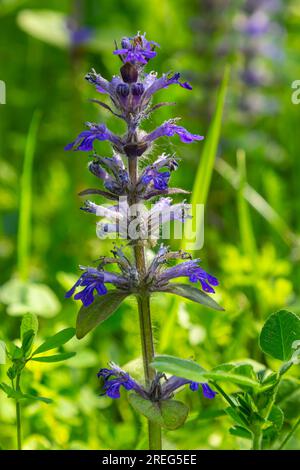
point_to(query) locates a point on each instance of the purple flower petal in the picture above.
(169, 129)
(207, 391)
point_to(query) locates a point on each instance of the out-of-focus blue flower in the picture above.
(136, 49)
(78, 34)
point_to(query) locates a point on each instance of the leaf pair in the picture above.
(105, 305)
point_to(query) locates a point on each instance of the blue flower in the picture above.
(84, 141)
(193, 271)
(78, 35)
(93, 280)
(169, 128)
(174, 383)
(136, 49)
(115, 378)
(159, 179)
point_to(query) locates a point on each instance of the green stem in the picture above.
(18, 415)
(257, 439)
(290, 434)
(154, 430)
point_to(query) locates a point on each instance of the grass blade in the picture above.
(199, 195)
(24, 227)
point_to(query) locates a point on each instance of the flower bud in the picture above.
(123, 90)
(129, 73)
(137, 89)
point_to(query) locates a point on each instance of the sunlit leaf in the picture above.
(29, 322)
(55, 341)
(279, 333)
(192, 371)
(54, 358)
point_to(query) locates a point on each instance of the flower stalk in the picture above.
(131, 94)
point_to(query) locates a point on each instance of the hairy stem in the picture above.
(154, 429)
(18, 415)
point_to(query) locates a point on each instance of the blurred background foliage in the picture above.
(251, 232)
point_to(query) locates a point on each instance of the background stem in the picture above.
(290, 434)
(18, 415)
(154, 429)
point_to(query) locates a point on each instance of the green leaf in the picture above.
(55, 341)
(55, 358)
(101, 309)
(15, 352)
(180, 367)
(37, 398)
(288, 397)
(279, 333)
(17, 395)
(237, 415)
(170, 414)
(276, 417)
(191, 293)
(27, 342)
(10, 392)
(192, 371)
(29, 322)
(240, 431)
(46, 25)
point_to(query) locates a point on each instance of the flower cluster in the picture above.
(159, 276)
(93, 280)
(115, 378)
(127, 217)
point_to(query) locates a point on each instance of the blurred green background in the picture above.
(44, 236)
